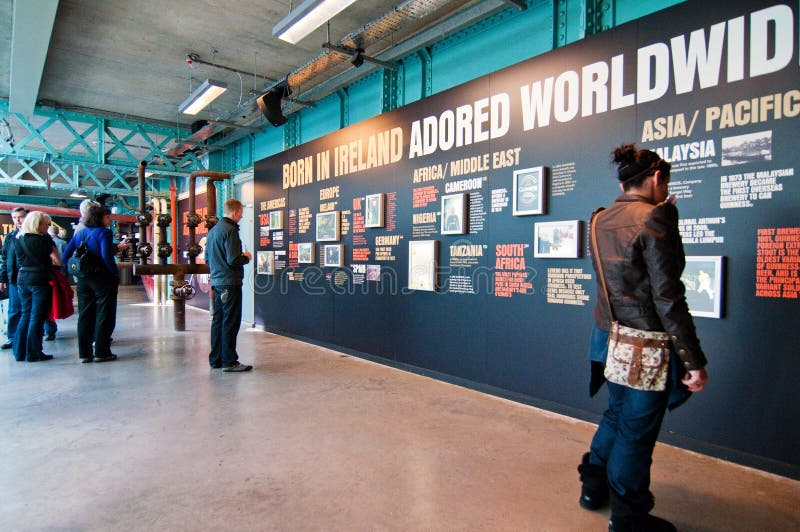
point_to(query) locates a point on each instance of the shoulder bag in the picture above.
(636, 358)
(83, 262)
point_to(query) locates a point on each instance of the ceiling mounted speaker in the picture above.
(270, 105)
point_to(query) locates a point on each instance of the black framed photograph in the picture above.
(422, 262)
(265, 263)
(529, 191)
(328, 226)
(703, 278)
(454, 214)
(275, 220)
(557, 240)
(374, 210)
(305, 253)
(333, 255)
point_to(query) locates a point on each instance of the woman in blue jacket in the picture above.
(97, 292)
(32, 257)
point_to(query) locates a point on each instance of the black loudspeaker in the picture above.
(270, 105)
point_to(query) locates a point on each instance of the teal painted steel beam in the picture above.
(390, 90)
(599, 16)
(344, 107)
(560, 20)
(426, 63)
(80, 138)
(291, 131)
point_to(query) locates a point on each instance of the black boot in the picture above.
(626, 519)
(594, 492)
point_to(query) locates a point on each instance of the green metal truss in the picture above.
(68, 150)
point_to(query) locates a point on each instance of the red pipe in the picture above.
(59, 211)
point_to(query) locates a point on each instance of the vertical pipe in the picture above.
(179, 306)
(192, 213)
(142, 210)
(173, 204)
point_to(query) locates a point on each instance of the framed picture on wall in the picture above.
(265, 263)
(454, 214)
(703, 279)
(373, 210)
(422, 263)
(275, 220)
(305, 253)
(557, 240)
(328, 226)
(333, 255)
(373, 272)
(529, 191)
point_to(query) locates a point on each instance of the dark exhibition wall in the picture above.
(450, 237)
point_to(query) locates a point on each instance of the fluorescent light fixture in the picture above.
(80, 193)
(203, 95)
(308, 16)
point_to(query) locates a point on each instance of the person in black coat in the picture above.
(97, 292)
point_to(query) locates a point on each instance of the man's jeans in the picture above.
(225, 325)
(14, 312)
(624, 442)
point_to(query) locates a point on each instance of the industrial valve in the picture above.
(193, 219)
(182, 290)
(144, 219)
(164, 250)
(145, 249)
(164, 220)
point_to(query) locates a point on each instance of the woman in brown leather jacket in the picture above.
(642, 258)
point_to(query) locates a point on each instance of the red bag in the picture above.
(62, 297)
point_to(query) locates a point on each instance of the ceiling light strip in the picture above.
(206, 93)
(309, 15)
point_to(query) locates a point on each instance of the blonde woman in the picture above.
(32, 257)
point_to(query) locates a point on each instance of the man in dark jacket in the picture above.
(639, 248)
(226, 261)
(8, 277)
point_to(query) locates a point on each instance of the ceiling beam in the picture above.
(32, 27)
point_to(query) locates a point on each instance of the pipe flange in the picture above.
(164, 250)
(193, 219)
(164, 220)
(211, 221)
(185, 291)
(144, 219)
(194, 250)
(145, 249)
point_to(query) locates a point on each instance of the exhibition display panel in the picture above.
(451, 233)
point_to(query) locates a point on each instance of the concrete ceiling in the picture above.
(128, 57)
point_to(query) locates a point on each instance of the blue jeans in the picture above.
(225, 325)
(14, 312)
(624, 443)
(50, 327)
(35, 303)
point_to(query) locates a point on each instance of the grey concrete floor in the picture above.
(310, 440)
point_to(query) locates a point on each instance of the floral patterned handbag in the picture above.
(637, 359)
